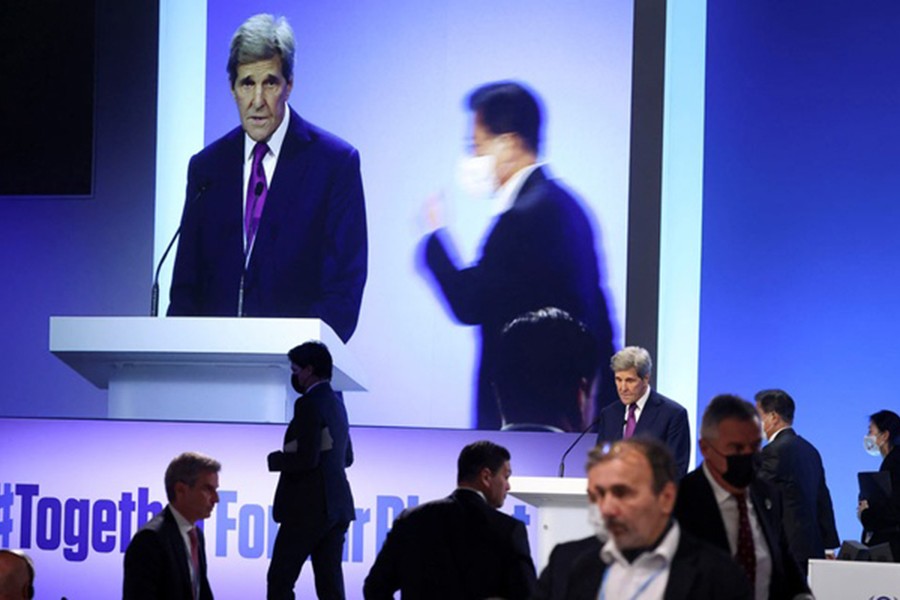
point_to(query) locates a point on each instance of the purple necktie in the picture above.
(631, 423)
(256, 193)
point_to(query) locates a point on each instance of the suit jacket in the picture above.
(313, 489)
(309, 257)
(539, 253)
(554, 579)
(882, 519)
(156, 563)
(456, 548)
(698, 572)
(794, 466)
(698, 514)
(662, 418)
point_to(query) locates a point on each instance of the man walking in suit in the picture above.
(313, 503)
(541, 251)
(642, 410)
(722, 502)
(794, 466)
(460, 547)
(274, 223)
(648, 554)
(166, 559)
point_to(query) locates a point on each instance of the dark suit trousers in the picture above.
(293, 545)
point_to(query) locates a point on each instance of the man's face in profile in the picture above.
(631, 386)
(196, 502)
(497, 485)
(261, 93)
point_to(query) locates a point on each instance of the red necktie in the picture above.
(746, 552)
(631, 423)
(257, 189)
(195, 562)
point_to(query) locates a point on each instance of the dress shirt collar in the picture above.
(662, 554)
(722, 495)
(274, 142)
(183, 524)
(775, 435)
(509, 191)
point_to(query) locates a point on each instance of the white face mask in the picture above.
(596, 521)
(477, 175)
(870, 443)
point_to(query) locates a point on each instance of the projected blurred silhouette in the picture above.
(539, 253)
(546, 363)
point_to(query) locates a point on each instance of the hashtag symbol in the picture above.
(6, 520)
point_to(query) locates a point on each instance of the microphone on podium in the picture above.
(154, 290)
(562, 461)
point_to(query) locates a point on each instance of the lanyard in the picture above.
(638, 592)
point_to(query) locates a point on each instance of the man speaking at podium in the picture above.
(274, 222)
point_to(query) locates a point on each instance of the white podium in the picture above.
(195, 368)
(562, 510)
(850, 580)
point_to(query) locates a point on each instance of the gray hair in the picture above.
(262, 37)
(186, 468)
(632, 357)
(725, 406)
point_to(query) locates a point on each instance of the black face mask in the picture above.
(741, 469)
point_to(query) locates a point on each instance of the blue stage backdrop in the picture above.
(801, 214)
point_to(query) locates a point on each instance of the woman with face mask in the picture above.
(881, 517)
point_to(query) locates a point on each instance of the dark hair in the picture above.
(662, 464)
(508, 107)
(887, 420)
(725, 406)
(186, 468)
(478, 455)
(777, 401)
(313, 354)
(29, 568)
(542, 358)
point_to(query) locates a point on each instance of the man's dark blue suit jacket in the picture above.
(663, 419)
(310, 254)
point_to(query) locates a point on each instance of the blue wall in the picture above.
(85, 256)
(801, 214)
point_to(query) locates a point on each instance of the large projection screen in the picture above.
(391, 78)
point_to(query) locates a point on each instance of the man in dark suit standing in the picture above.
(723, 503)
(794, 466)
(541, 251)
(274, 223)
(460, 547)
(313, 503)
(642, 410)
(648, 554)
(166, 559)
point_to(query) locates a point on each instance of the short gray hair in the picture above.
(187, 468)
(725, 406)
(262, 37)
(632, 357)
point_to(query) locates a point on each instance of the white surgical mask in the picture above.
(477, 175)
(596, 521)
(870, 442)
